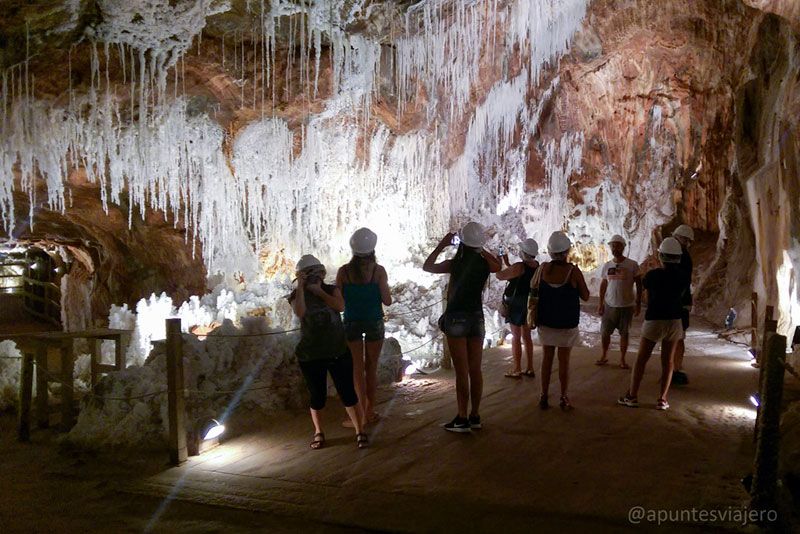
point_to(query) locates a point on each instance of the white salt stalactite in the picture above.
(170, 162)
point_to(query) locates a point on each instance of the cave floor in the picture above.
(526, 469)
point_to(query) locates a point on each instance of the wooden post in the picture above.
(765, 477)
(25, 394)
(768, 322)
(42, 408)
(120, 348)
(67, 385)
(176, 408)
(95, 351)
(770, 327)
(754, 321)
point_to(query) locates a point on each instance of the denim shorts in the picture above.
(462, 324)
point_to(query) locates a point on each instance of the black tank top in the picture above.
(518, 288)
(559, 305)
(468, 276)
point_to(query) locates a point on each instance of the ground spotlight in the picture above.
(754, 400)
(215, 429)
(205, 436)
(411, 369)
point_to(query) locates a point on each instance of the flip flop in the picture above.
(624, 366)
(601, 362)
(513, 374)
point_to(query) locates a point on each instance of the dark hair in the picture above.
(358, 267)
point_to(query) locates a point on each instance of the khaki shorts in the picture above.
(616, 319)
(662, 330)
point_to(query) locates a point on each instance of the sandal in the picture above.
(543, 404)
(564, 403)
(529, 373)
(601, 361)
(362, 440)
(319, 441)
(513, 374)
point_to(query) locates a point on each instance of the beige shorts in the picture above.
(662, 330)
(558, 337)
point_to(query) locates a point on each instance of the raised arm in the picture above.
(509, 273)
(430, 265)
(299, 301)
(494, 263)
(583, 289)
(334, 300)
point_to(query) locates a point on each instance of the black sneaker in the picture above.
(458, 424)
(543, 404)
(475, 422)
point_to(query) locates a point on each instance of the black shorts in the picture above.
(462, 324)
(372, 330)
(315, 373)
(685, 319)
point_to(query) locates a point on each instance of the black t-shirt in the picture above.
(665, 292)
(468, 276)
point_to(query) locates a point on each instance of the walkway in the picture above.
(527, 468)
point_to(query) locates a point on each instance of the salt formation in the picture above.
(159, 31)
(189, 176)
(10, 359)
(297, 191)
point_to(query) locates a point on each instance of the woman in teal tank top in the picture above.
(365, 287)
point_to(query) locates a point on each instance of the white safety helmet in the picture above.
(473, 235)
(670, 250)
(363, 241)
(530, 247)
(307, 261)
(558, 242)
(616, 238)
(684, 230)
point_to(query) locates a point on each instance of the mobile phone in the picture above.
(456, 240)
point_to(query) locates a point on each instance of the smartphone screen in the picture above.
(456, 240)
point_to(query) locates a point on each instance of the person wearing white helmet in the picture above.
(662, 321)
(618, 301)
(515, 304)
(322, 349)
(558, 287)
(365, 287)
(684, 234)
(462, 321)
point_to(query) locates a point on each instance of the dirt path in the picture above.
(527, 468)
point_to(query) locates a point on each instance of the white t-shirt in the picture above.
(620, 276)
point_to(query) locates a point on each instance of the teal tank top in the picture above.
(362, 302)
